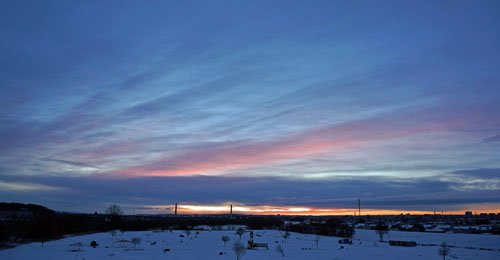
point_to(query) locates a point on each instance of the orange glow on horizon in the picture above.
(297, 210)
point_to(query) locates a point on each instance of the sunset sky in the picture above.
(277, 107)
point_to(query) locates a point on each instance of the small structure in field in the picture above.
(253, 245)
(345, 241)
(122, 242)
(402, 243)
(76, 247)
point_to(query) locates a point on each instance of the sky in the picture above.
(276, 107)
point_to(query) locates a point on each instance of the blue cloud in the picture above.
(376, 192)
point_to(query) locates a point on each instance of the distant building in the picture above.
(468, 213)
(402, 243)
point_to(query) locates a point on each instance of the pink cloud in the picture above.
(229, 158)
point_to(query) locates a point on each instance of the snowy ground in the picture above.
(208, 245)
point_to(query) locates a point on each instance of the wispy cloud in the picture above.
(25, 187)
(495, 138)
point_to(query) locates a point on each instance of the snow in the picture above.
(208, 245)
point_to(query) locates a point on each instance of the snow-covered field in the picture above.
(208, 245)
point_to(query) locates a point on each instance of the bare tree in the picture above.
(239, 249)
(225, 239)
(114, 210)
(444, 250)
(381, 230)
(240, 231)
(280, 250)
(286, 235)
(381, 233)
(136, 241)
(316, 241)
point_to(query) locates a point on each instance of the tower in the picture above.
(359, 208)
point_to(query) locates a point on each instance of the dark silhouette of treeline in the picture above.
(329, 227)
(21, 223)
(27, 222)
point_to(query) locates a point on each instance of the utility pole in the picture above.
(231, 211)
(175, 210)
(359, 208)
